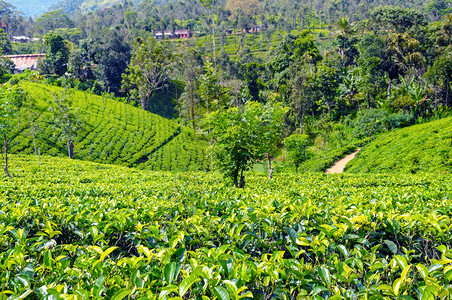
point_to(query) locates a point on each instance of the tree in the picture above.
(19, 99)
(57, 55)
(250, 74)
(149, 70)
(5, 43)
(7, 116)
(296, 148)
(65, 119)
(6, 65)
(272, 127)
(53, 20)
(440, 75)
(77, 65)
(238, 135)
(400, 19)
(189, 70)
(111, 53)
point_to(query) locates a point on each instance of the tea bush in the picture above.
(77, 230)
(113, 132)
(419, 148)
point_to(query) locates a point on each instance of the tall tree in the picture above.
(150, 69)
(65, 119)
(7, 120)
(57, 55)
(52, 20)
(109, 50)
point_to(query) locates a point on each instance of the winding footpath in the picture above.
(339, 166)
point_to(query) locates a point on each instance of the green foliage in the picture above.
(296, 148)
(57, 55)
(400, 19)
(65, 120)
(420, 148)
(242, 135)
(110, 132)
(52, 20)
(85, 230)
(373, 121)
(149, 69)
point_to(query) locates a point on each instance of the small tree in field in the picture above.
(296, 148)
(239, 138)
(272, 131)
(65, 119)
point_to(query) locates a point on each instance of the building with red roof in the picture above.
(23, 62)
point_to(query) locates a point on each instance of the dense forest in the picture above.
(342, 70)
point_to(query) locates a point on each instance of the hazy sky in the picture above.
(32, 8)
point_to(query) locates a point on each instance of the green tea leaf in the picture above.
(170, 272)
(325, 275)
(391, 246)
(107, 252)
(121, 294)
(185, 285)
(221, 293)
(292, 234)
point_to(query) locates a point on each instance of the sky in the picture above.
(32, 8)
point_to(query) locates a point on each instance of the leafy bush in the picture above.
(372, 121)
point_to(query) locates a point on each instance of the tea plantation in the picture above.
(420, 148)
(114, 133)
(79, 230)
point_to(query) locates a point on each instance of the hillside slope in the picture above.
(113, 132)
(420, 148)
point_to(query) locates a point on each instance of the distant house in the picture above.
(23, 39)
(23, 62)
(3, 26)
(183, 33)
(168, 34)
(20, 39)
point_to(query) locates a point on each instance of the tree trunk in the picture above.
(18, 120)
(5, 152)
(447, 93)
(34, 143)
(301, 119)
(235, 176)
(270, 169)
(389, 88)
(242, 180)
(70, 148)
(144, 103)
(192, 102)
(214, 48)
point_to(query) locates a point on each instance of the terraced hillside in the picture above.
(420, 148)
(115, 133)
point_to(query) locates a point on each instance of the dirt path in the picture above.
(339, 166)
